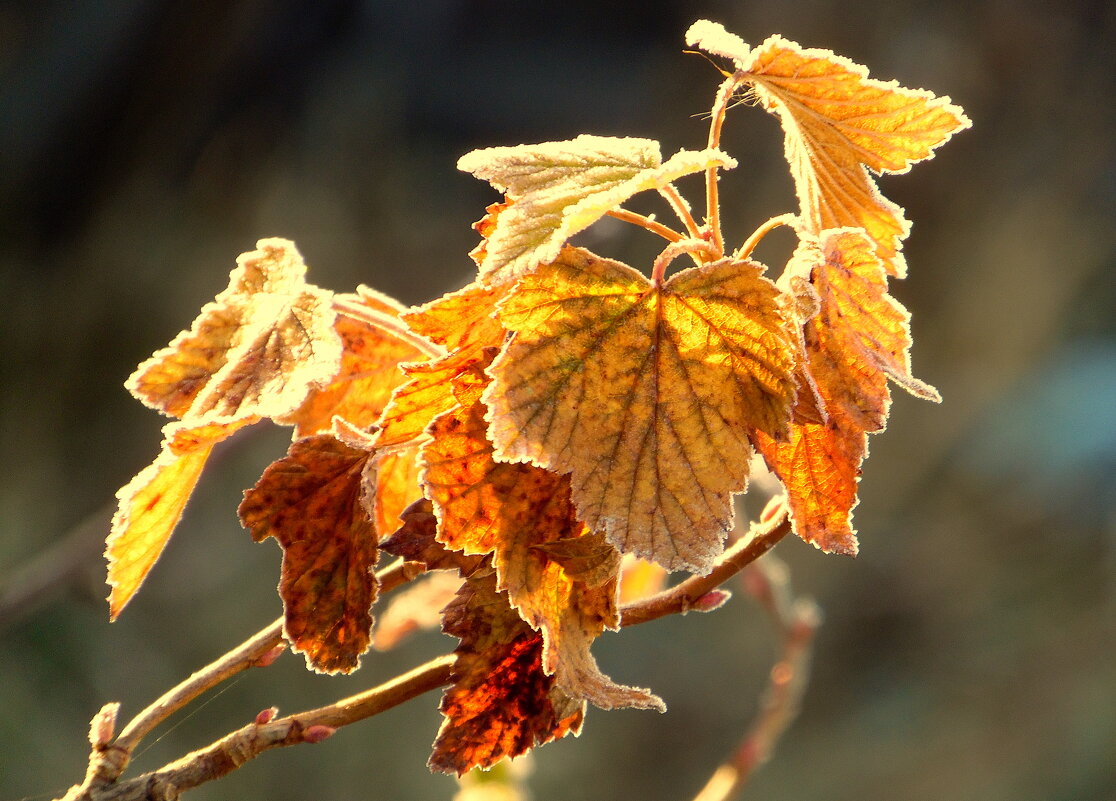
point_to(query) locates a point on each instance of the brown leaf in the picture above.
(645, 395)
(151, 504)
(416, 541)
(313, 502)
(257, 349)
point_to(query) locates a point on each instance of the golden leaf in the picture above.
(257, 349)
(151, 504)
(645, 395)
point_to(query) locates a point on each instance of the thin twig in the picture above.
(642, 221)
(252, 652)
(682, 597)
(797, 620)
(233, 750)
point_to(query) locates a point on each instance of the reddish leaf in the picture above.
(313, 501)
(502, 703)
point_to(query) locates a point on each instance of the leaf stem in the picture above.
(642, 221)
(680, 598)
(387, 323)
(745, 250)
(682, 208)
(676, 249)
(712, 198)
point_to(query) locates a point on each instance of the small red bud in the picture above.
(270, 656)
(315, 734)
(714, 599)
(266, 715)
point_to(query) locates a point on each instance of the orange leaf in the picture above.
(415, 541)
(860, 336)
(314, 503)
(646, 395)
(465, 323)
(819, 464)
(257, 349)
(501, 703)
(840, 124)
(369, 371)
(151, 504)
(510, 510)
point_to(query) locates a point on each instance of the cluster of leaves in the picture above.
(564, 410)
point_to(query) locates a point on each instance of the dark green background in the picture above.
(967, 653)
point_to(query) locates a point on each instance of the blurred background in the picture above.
(967, 653)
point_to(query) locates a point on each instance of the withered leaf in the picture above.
(645, 395)
(151, 504)
(501, 703)
(257, 349)
(314, 503)
(560, 188)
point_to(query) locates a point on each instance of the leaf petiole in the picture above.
(745, 250)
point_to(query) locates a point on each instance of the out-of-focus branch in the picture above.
(761, 538)
(796, 621)
(51, 571)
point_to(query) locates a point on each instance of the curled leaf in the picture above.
(645, 395)
(560, 188)
(257, 349)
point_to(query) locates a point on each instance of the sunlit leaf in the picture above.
(151, 504)
(560, 188)
(645, 395)
(819, 464)
(257, 349)
(465, 323)
(368, 374)
(839, 125)
(314, 503)
(501, 703)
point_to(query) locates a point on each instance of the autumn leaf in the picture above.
(465, 323)
(513, 511)
(646, 395)
(315, 503)
(368, 374)
(416, 608)
(839, 125)
(501, 703)
(819, 465)
(257, 349)
(560, 188)
(861, 335)
(151, 504)
(858, 338)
